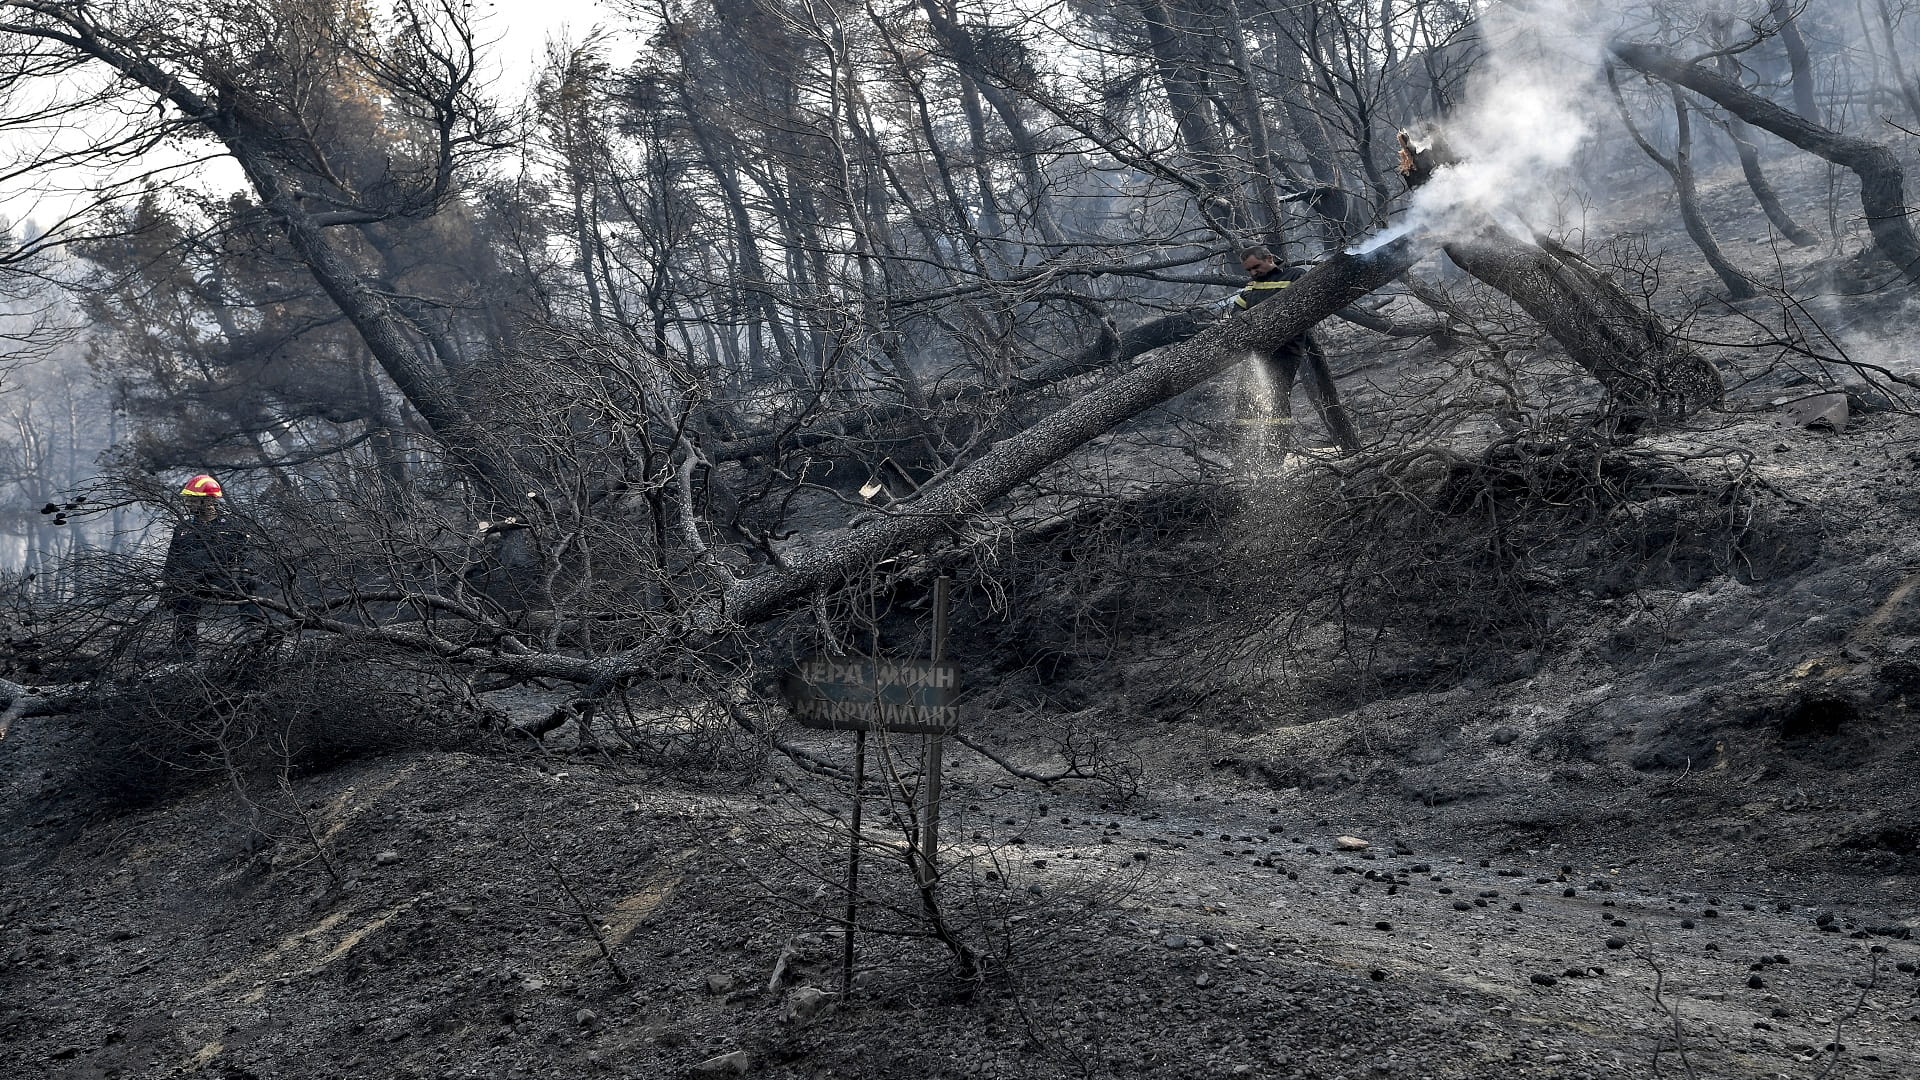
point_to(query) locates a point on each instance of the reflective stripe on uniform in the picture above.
(1241, 300)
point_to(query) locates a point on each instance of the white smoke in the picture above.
(1532, 101)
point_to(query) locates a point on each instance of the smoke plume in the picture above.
(1530, 105)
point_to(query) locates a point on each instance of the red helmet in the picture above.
(204, 486)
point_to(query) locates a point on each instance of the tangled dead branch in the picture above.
(1455, 552)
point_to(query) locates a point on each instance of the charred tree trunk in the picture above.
(1786, 17)
(1648, 374)
(753, 288)
(1129, 344)
(1882, 179)
(1763, 192)
(419, 378)
(937, 508)
(1680, 168)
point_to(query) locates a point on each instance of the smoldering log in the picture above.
(1421, 157)
(1649, 374)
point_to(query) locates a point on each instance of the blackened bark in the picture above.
(418, 378)
(1786, 17)
(1130, 344)
(1882, 179)
(1680, 168)
(1646, 371)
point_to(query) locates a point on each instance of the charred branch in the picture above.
(1129, 344)
(1882, 179)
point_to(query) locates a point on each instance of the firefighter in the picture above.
(1266, 277)
(206, 559)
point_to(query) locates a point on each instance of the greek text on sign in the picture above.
(856, 694)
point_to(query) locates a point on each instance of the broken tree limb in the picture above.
(1882, 179)
(946, 504)
(24, 701)
(1648, 373)
(937, 508)
(1128, 345)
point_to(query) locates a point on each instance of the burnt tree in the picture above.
(1882, 178)
(1647, 372)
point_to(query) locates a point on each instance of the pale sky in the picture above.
(523, 27)
(518, 31)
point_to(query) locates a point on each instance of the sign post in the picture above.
(936, 748)
(853, 863)
(850, 693)
(857, 694)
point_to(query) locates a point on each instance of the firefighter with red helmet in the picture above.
(206, 560)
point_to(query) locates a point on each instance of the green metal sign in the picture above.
(850, 693)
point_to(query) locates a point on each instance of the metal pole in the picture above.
(936, 748)
(853, 862)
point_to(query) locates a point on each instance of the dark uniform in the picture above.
(1283, 365)
(205, 559)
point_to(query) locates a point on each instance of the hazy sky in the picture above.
(518, 31)
(522, 28)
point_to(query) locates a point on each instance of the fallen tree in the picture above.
(1623, 346)
(1326, 289)
(1647, 373)
(1118, 348)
